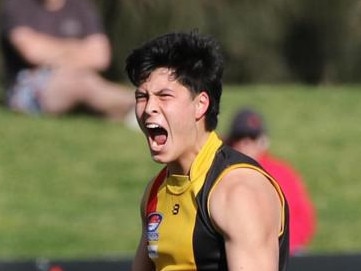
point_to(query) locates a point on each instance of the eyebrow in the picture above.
(156, 91)
(139, 90)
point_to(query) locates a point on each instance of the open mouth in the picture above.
(157, 133)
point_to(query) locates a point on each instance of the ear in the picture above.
(202, 104)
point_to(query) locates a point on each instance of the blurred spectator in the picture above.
(248, 134)
(54, 51)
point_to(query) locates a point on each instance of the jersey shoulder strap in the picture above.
(225, 157)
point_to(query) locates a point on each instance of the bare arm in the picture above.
(247, 210)
(37, 48)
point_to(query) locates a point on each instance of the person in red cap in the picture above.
(248, 134)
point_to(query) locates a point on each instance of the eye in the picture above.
(139, 96)
(165, 94)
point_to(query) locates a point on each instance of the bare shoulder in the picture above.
(245, 197)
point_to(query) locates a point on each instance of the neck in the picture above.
(183, 164)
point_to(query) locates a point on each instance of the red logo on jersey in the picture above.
(154, 220)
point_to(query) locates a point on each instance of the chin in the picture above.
(160, 159)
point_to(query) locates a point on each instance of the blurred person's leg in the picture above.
(23, 95)
(67, 89)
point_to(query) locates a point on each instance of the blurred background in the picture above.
(70, 187)
(272, 41)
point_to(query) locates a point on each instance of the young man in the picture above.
(248, 134)
(53, 52)
(210, 208)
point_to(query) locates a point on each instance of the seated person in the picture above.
(54, 51)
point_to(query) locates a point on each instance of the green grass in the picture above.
(70, 187)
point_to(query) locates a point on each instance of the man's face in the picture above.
(167, 114)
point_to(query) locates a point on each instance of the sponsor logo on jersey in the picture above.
(153, 251)
(154, 220)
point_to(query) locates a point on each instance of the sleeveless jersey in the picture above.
(180, 233)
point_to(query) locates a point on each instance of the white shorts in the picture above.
(24, 94)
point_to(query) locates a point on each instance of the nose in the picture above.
(151, 106)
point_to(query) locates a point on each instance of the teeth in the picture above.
(152, 125)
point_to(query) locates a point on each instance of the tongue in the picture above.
(160, 139)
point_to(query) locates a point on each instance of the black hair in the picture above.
(196, 62)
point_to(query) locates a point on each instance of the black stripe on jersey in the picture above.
(208, 244)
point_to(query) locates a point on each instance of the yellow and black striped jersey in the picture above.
(180, 233)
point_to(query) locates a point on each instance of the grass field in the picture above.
(70, 187)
